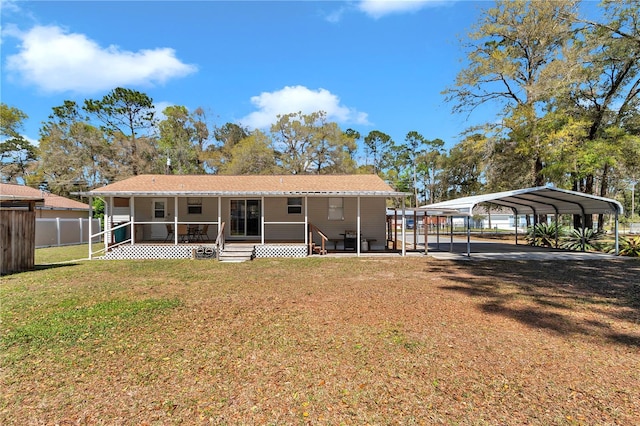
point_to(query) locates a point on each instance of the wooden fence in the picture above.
(17, 240)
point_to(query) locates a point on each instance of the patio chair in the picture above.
(183, 233)
(169, 232)
(202, 233)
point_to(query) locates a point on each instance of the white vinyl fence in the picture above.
(64, 232)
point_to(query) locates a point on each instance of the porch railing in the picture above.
(323, 239)
(220, 240)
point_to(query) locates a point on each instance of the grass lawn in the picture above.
(322, 341)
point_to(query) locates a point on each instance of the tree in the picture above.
(429, 162)
(226, 136)
(179, 141)
(603, 95)
(128, 113)
(17, 154)
(74, 155)
(377, 143)
(414, 141)
(308, 143)
(252, 155)
(463, 168)
(512, 63)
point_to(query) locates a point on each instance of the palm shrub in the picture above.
(573, 240)
(627, 247)
(544, 234)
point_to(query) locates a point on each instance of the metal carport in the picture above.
(543, 200)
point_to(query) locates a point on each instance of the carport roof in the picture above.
(538, 200)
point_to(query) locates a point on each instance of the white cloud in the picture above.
(292, 99)
(57, 61)
(379, 8)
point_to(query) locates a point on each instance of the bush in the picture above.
(544, 234)
(574, 240)
(627, 247)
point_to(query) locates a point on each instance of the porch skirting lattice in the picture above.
(150, 251)
(277, 250)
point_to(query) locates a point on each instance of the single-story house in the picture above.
(59, 220)
(174, 216)
(54, 206)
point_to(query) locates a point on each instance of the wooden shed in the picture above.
(17, 233)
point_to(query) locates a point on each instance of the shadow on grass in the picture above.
(45, 266)
(566, 297)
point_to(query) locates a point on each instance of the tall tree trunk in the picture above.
(604, 188)
(577, 219)
(588, 189)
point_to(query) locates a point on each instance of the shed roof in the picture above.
(538, 200)
(10, 191)
(248, 185)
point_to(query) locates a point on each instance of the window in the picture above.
(336, 208)
(194, 205)
(294, 205)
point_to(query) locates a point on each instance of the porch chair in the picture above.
(202, 233)
(183, 232)
(169, 232)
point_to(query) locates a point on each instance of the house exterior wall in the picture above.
(372, 212)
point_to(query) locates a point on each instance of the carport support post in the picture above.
(438, 232)
(468, 236)
(425, 219)
(515, 214)
(617, 234)
(451, 233)
(556, 219)
(404, 213)
(584, 228)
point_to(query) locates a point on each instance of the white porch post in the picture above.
(108, 221)
(175, 220)
(404, 246)
(219, 214)
(133, 220)
(306, 221)
(358, 227)
(90, 226)
(262, 220)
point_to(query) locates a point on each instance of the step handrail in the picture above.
(220, 240)
(323, 238)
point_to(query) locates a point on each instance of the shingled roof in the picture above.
(248, 185)
(51, 201)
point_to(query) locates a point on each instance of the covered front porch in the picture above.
(202, 226)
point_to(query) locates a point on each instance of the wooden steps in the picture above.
(237, 252)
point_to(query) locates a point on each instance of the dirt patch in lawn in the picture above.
(323, 341)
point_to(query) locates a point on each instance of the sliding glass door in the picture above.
(245, 218)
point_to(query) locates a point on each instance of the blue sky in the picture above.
(370, 65)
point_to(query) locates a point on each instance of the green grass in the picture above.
(70, 323)
(50, 255)
(321, 341)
